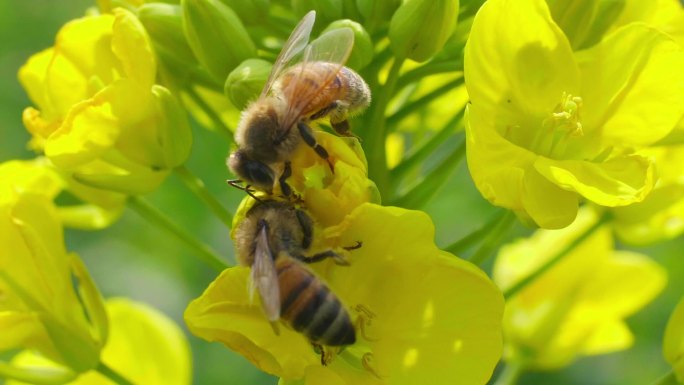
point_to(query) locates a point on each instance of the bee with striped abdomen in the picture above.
(273, 239)
(318, 86)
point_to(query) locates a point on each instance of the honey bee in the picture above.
(295, 95)
(272, 240)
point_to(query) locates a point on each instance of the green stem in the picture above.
(668, 379)
(213, 115)
(510, 374)
(425, 150)
(493, 239)
(153, 215)
(426, 99)
(513, 290)
(476, 236)
(428, 69)
(377, 159)
(196, 185)
(427, 187)
(112, 375)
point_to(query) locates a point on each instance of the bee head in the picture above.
(253, 172)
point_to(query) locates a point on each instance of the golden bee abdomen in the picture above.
(346, 86)
(310, 307)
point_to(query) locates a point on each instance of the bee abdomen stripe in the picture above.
(340, 331)
(304, 310)
(324, 318)
(294, 292)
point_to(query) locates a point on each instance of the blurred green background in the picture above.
(135, 260)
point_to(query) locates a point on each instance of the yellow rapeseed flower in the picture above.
(144, 346)
(578, 306)
(39, 176)
(673, 344)
(100, 116)
(661, 215)
(548, 127)
(48, 301)
(435, 318)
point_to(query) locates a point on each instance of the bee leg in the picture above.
(326, 355)
(324, 111)
(354, 247)
(339, 259)
(307, 135)
(287, 172)
(364, 319)
(306, 224)
(237, 183)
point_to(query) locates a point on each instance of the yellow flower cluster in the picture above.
(549, 126)
(575, 123)
(102, 121)
(52, 312)
(428, 330)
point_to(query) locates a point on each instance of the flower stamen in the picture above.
(564, 122)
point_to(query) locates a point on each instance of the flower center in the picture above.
(562, 124)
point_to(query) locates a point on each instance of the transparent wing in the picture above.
(306, 81)
(297, 41)
(264, 276)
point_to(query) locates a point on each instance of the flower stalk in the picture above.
(196, 185)
(156, 217)
(377, 129)
(112, 374)
(494, 239)
(517, 287)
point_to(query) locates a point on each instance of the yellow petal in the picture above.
(673, 344)
(32, 76)
(505, 175)
(608, 338)
(144, 345)
(224, 313)
(616, 182)
(420, 332)
(89, 129)
(82, 56)
(518, 58)
(631, 88)
(132, 47)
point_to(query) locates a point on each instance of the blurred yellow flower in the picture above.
(143, 345)
(48, 301)
(436, 317)
(40, 177)
(661, 215)
(673, 344)
(578, 306)
(100, 117)
(548, 127)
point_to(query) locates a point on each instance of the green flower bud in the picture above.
(163, 23)
(216, 36)
(174, 134)
(377, 12)
(326, 10)
(250, 11)
(246, 81)
(420, 28)
(362, 53)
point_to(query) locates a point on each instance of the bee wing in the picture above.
(332, 47)
(297, 41)
(264, 276)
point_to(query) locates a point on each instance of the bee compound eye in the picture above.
(259, 174)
